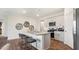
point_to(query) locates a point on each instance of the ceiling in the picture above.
(29, 12)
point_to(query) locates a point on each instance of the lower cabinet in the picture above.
(59, 35)
(38, 44)
(42, 42)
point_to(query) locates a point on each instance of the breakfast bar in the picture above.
(42, 39)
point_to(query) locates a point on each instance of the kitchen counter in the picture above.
(52, 30)
(39, 33)
(42, 39)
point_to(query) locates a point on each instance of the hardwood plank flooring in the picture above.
(55, 45)
(17, 44)
(58, 45)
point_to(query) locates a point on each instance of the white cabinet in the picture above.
(42, 40)
(38, 44)
(56, 35)
(59, 35)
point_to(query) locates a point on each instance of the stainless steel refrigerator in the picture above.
(76, 29)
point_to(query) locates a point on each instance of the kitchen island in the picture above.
(42, 39)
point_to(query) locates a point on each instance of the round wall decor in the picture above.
(26, 24)
(0, 24)
(31, 27)
(19, 26)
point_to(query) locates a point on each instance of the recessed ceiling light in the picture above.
(24, 11)
(37, 14)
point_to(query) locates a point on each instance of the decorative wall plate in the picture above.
(19, 26)
(0, 24)
(31, 27)
(0, 31)
(26, 24)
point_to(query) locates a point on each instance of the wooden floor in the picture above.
(17, 44)
(58, 45)
(55, 45)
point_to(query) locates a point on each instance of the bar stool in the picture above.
(27, 40)
(30, 41)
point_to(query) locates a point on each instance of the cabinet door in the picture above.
(38, 44)
(34, 44)
(59, 36)
(56, 34)
(46, 41)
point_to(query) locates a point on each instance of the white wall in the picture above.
(65, 19)
(68, 24)
(58, 18)
(11, 21)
